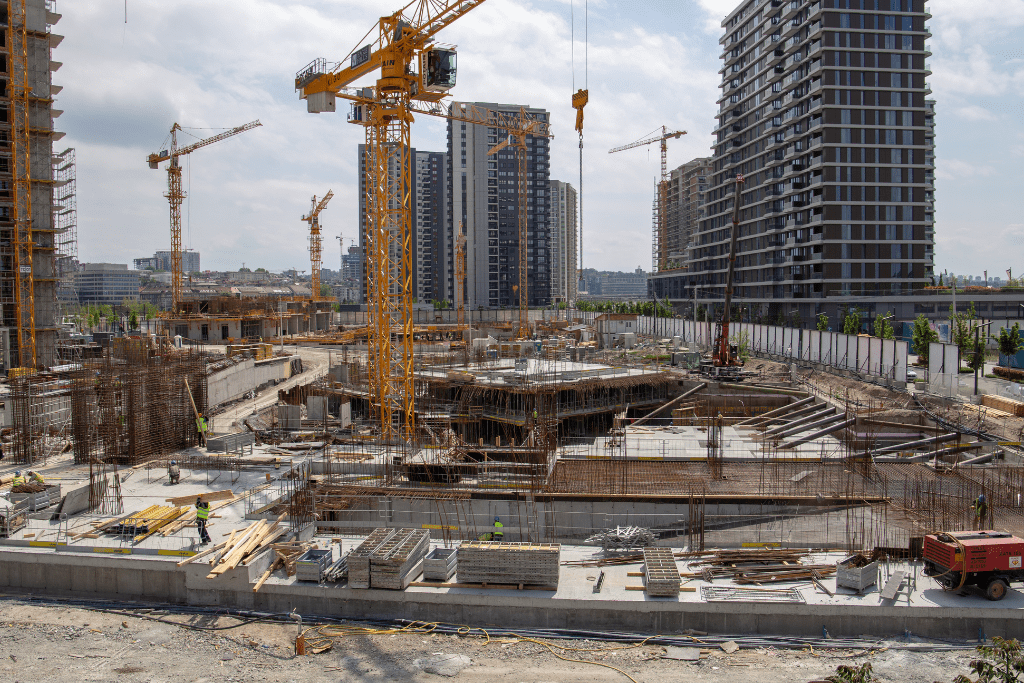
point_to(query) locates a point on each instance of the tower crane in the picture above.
(315, 241)
(660, 245)
(416, 74)
(460, 277)
(175, 195)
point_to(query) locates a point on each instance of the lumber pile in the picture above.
(285, 555)
(142, 524)
(1007, 405)
(241, 546)
(757, 566)
(508, 563)
(661, 575)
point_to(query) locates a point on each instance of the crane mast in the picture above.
(723, 355)
(316, 242)
(460, 277)
(660, 238)
(176, 195)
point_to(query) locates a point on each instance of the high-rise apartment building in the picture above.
(484, 200)
(687, 186)
(432, 259)
(562, 239)
(189, 260)
(824, 113)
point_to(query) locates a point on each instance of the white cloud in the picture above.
(955, 169)
(975, 113)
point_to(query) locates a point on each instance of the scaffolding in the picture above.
(65, 218)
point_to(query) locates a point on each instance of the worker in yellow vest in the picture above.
(18, 479)
(202, 514)
(498, 534)
(36, 478)
(201, 428)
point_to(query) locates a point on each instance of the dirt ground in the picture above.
(60, 644)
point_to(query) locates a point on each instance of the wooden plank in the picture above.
(682, 589)
(266, 575)
(201, 555)
(495, 586)
(208, 497)
(892, 586)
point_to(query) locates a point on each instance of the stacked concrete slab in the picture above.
(508, 563)
(661, 575)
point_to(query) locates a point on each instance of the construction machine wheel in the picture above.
(996, 589)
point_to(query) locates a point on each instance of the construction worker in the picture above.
(498, 534)
(201, 428)
(202, 514)
(35, 478)
(173, 472)
(18, 479)
(980, 512)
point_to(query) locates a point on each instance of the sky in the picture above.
(130, 70)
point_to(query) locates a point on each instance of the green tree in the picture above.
(743, 345)
(851, 323)
(133, 320)
(1009, 340)
(883, 329)
(1000, 662)
(972, 348)
(822, 322)
(325, 290)
(923, 335)
(852, 674)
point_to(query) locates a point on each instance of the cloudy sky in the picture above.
(129, 75)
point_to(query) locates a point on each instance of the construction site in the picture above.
(549, 472)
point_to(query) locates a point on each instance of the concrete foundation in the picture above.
(571, 607)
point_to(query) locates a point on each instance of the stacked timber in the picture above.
(1007, 405)
(509, 563)
(142, 524)
(388, 558)
(240, 547)
(661, 575)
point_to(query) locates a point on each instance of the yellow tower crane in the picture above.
(460, 277)
(415, 75)
(175, 194)
(315, 241)
(660, 240)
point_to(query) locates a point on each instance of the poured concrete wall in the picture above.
(233, 382)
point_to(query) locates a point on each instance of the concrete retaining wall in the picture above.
(158, 580)
(233, 382)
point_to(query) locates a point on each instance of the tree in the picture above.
(325, 290)
(1009, 340)
(743, 345)
(852, 674)
(972, 348)
(851, 323)
(923, 335)
(883, 329)
(133, 320)
(1001, 662)
(822, 322)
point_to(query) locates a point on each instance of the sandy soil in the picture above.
(60, 644)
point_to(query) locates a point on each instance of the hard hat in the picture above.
(17, 473)
(981, 498)
(497, 519)
(174, 462)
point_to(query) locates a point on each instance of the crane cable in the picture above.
(580, 99)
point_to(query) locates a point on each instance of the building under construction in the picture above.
(28, 225)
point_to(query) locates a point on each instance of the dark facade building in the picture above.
(431, 241)
(484, 200)
(687, 186)
(824, 112)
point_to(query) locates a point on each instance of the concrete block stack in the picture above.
(661, 575)
(359, 559)
(508, 563)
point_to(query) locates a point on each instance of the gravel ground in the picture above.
(60, 644)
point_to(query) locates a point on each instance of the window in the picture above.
(847, 212)
(845, 136)
(897, 81)
(897, 156)
(906, 23)
(897, 251)
(844, 20)
(847, 231)
(908, 137)
(896, 62)
(847, 271)
(908, 118)
(890, 137)
(845, 114)
(897, 270)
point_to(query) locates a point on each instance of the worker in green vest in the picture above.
(980, 512)
(202, 514)
(498, 534)
(201, 428)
